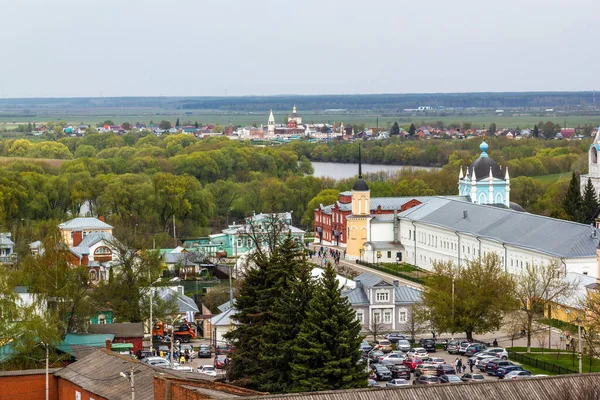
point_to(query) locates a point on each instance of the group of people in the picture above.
(461, 367)
(180, 356)
(324, 253)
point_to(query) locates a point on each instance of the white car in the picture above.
(518, 375)
(157, 362)
(397, 382)
(208, 370)
(186, 368)
(393, 358)
(418, 352)
(437, 361)
(496, 352)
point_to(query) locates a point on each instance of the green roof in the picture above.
(121, 346)
(73, 341)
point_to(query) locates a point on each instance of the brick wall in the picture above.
(30, 387)
(181, 389)
(66, 391)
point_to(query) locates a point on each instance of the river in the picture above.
(343, 171)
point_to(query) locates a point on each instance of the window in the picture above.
(77, 395)
(389, 254)
(382, 296)
(102, 319)
(239, 242)
(360, 317)
(402, 316)
(376, 316)
(102, 250)
(409, 232)
(387, 317)
(93, 275)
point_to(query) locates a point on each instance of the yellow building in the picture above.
(358, 222)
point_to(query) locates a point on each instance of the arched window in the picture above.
(499, 198)
(93, 275)
(102, 251)
(594, 155)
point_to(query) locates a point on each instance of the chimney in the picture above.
(77, 237)
(101, 218)
(180, 290)
(359, 284)
(465, 215)
(396, 283)
(108, 345)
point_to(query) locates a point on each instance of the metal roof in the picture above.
(223, 319)
(99, 373)
(402, 294)
(79, 346)
(84, 223)
(120, 330)
(551, 236)
(94, 237)
(377, 245)
(184, 303)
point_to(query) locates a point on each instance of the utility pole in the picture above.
(453, 298)
(579, 350)
(131, 381)
(174, 233)
(151, 324)
(47, 371)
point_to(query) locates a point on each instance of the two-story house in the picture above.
(379, 302)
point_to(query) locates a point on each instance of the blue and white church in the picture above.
(484, 182)
(593, 165)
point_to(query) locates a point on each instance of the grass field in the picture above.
(369, 119)
(552, 177)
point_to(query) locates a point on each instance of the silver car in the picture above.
(403, 345)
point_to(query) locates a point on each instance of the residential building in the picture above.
(74, 230)
(7, 247)
(379, 302)
(124, 332)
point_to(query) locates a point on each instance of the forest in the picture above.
(146, 186)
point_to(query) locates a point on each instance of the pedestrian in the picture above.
(456, 364)
(471, 362)
(495, 344)
(187, 355)
(464, 367)
(182, 359)
(459, 366)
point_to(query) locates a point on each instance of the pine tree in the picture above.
(572, 201)
(395, 129)
(589, 202)
(326, 350)
(412, 130)
(177, 122)
(536, 131)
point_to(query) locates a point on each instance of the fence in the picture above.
(534, 362)
(390, 271)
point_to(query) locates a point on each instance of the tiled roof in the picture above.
(551, 236)
(84, 223)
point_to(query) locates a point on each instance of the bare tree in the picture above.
(513, 324)
(538, 286)
(375, 328)
(416, 321)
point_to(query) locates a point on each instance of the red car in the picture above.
(412, 363)
(221, 361)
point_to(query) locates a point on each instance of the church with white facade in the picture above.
(593, 166)
(478, 221)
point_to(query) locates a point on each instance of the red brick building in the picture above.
(125, 332)
(28, 384)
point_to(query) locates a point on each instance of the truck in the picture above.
(184, 332)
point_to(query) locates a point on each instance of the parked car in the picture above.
(450, 379)
(144, 354)
(472, 378)
(418, 352)
(397, 382)
(179, 367)
(375, 356)
(383, 373)
(452, 346)
(400, 372)
(394, 337)
(372, 382)
(428, 344)
(393, 358)
(159, 362)
(223, 349)
(445, 369)
(383, 345)
(501, 372)
(463, 347)
(220, 361)
(204, 351)
(403, 345)
(497, 352)
(480, 356)
(425, 369)
(492, 366)
(482, 364)
(365, 347)
(411, 363)
(208, 370)
(426, 380)
(474, 348)
(437, 361)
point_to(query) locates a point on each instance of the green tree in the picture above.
(524, 191)
(164, 125)
(536, 131)
(492, 128)
(326, 351)
(470, 299)
(395, 129)
(589, 205)
(177, 122)
(126, 126)
(572, 200)
(412, 130)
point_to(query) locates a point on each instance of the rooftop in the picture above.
(84, 223)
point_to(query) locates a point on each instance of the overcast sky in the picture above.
(58, 48)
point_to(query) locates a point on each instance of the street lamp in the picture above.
(579, 345)
(379, 258)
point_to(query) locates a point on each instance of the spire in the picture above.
(359, 163)
(473, 177)
(271, 118)
(491, 176)
(460, 174)
(294, 109)
(506, 177)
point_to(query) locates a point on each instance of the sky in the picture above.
(90, 48)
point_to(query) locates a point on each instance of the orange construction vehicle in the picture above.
(184, 333)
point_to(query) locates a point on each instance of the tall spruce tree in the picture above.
(590, 202)
(536, 131)
(326, 350)
(412, 130)
(291, 292)
(572, 201)
(395, 129)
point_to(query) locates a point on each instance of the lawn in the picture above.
(552, 177)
